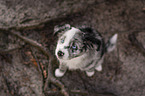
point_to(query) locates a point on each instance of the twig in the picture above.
(59, 84)
(39, 66)
(79, 92)
(34, 44)
(7, 84)
(52, 79)
(84, 93)
(9, 50)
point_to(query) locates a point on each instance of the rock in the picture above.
(31, 12)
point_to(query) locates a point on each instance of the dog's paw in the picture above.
(99, 68)
(58, 73)
(89, 74)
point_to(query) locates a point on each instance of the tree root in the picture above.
(39, 66)
(84, 93)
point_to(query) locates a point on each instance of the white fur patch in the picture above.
(74, 63)
(99, 65)
(58, 73)
(99, 68)
(61, 46)
(89, 74)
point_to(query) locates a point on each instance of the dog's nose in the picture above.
(60, 53)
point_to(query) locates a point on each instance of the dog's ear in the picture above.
(60, 29)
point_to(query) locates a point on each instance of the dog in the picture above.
(81, 48)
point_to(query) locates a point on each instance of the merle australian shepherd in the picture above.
(81, 48)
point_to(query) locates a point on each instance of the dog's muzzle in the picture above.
(60, 53)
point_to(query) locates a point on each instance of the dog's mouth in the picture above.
(61, 58)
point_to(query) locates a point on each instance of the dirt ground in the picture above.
(123, 69)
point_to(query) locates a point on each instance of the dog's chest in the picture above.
(75, 63)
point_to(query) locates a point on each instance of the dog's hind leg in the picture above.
(98, 66)
(90, 73)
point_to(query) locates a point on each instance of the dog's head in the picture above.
(74, 42)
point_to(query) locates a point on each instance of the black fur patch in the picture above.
(90, 38)
(60, 29)
(89, 64)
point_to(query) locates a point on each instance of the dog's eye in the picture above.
(62, 41)
(74, 47)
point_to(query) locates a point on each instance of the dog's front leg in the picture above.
(90, 72)
(61, 70)
(98, 66)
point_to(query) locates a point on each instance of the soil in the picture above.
(123, 69)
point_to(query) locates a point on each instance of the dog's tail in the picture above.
(111, 44)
